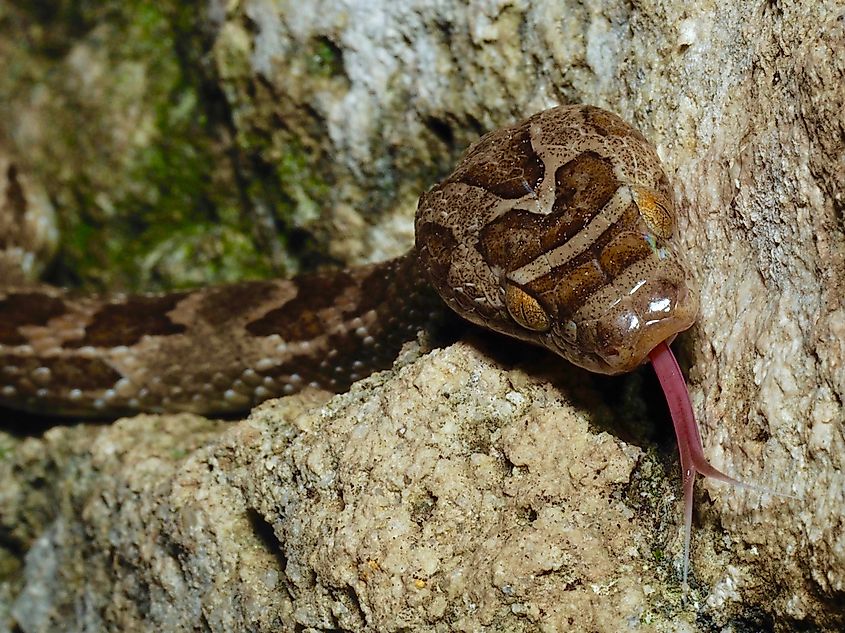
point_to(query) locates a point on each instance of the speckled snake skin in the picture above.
(553, 231)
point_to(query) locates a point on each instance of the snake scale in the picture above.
(555, 230)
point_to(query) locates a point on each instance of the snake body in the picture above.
(554, 230)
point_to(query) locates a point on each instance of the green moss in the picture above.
(298, 177)
(140, 153)
(10, 569)
(325, 59)
(140, 161)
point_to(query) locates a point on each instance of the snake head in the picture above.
(556, 230)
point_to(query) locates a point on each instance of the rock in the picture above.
(453, 490)
(456, 491)
(744, 103)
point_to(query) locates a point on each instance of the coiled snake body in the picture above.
(554, 230)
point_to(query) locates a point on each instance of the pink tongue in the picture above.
(686, 429)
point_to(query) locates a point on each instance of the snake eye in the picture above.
(525, 309)
(655, 209)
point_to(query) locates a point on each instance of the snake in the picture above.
(555, 230)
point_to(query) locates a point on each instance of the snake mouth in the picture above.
(634, 351)
(620, 339)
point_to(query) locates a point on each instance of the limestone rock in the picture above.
(452, 492)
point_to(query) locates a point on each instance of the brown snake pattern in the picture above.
(554, 231)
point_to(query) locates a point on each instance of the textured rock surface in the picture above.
(454, 490)
(744, 103)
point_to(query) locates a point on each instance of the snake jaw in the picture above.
(620, 338)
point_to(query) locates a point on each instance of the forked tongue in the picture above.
(689, 438)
